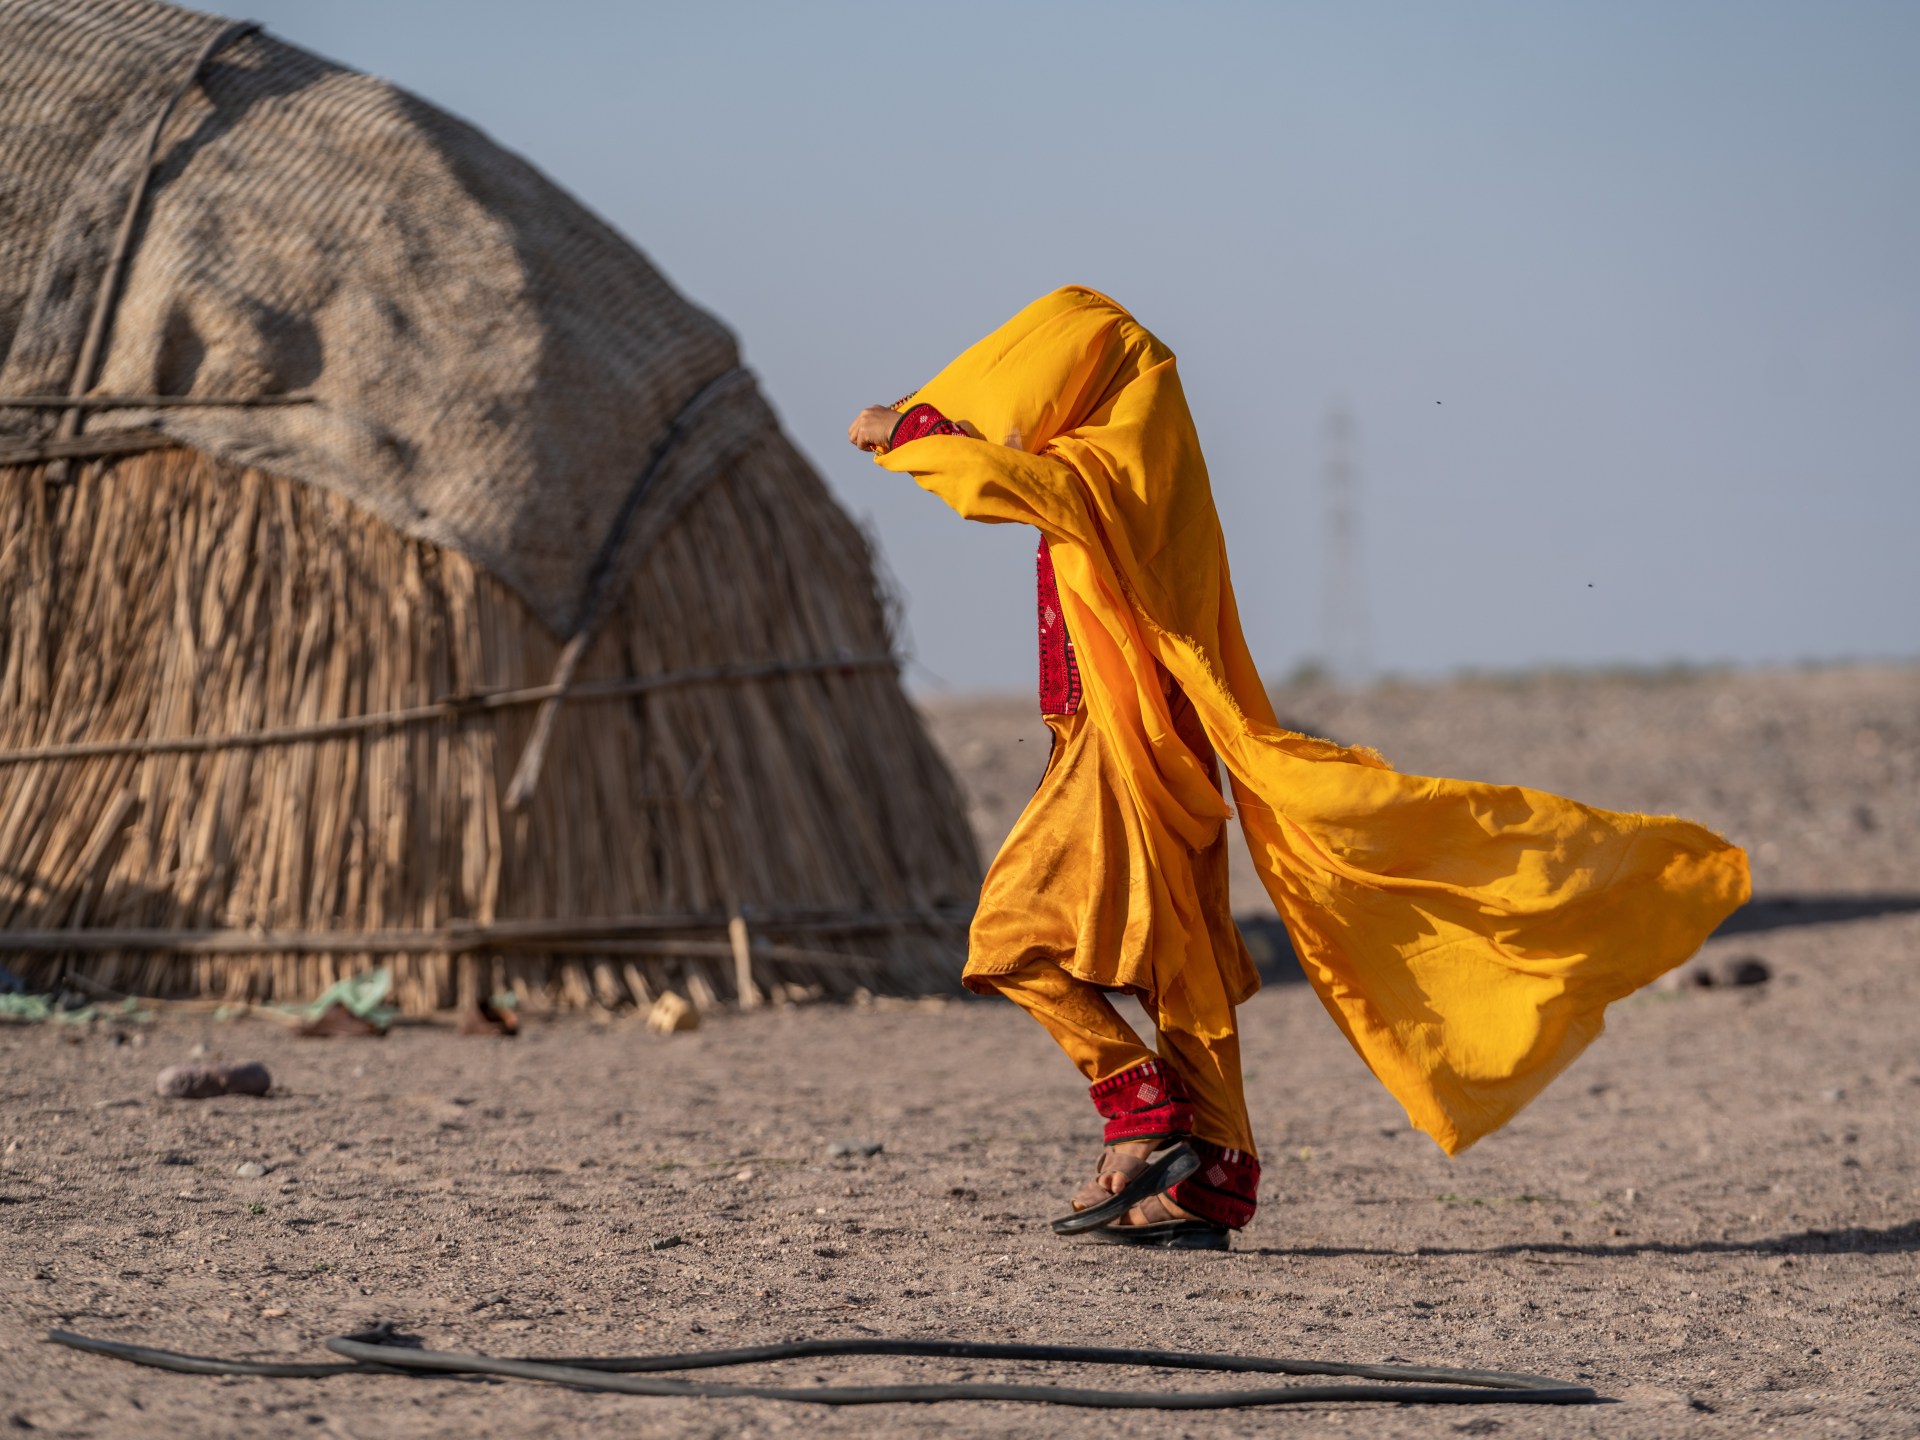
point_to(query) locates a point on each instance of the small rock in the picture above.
(199, 1082)
(1833, 1096)
(664, 1242)
(1730, 971)
(671, 1013)
(486, 1018)
(250, 1169)
(850, 1149)
(274, 1313)
(744, 1175)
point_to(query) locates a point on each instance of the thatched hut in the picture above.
(396, 569)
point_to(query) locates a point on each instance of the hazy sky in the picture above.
(1624, 298)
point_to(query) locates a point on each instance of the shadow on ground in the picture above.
(1901, 1239)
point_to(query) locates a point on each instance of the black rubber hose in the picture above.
(370, 1352)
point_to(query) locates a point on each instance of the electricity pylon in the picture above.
(1345, 632)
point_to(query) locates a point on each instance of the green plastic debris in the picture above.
(37, 1009)
(364, 995)
(27, 1009)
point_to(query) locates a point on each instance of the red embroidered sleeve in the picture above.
(1059, 671)
(918, 423)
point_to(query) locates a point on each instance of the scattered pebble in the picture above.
(746, 1174)
(671, 1013)
(250, 1169)
(1729, 971)
(1833, 1096)
(200, 1081)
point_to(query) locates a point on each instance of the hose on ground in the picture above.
(380, 1351)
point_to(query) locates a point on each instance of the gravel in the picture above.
(1713, 1217)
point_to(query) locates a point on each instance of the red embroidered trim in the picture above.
(1144, 1102)
(918, 423)
(1059, 670)
(1223, 1189)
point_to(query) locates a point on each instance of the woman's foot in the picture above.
(1119, 1163)
(1130, 1171)
(1154, 1210)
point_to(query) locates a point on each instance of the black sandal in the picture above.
(1166, 1168)
(1167, 1235)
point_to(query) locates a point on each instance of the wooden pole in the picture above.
(461, 937)
(150, 402)
(609, 571)
(439, 709)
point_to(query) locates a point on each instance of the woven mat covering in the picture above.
(494, 365)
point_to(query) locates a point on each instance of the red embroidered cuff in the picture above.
(1223, 1189)
(1146, 1102)
(918, 423)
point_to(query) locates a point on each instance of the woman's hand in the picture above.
(873, 427)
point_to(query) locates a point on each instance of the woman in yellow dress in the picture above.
(1466, 938)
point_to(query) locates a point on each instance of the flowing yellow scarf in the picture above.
(1467, 938)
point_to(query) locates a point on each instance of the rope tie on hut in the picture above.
(94, 345)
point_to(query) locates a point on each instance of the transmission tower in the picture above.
(1345, 639)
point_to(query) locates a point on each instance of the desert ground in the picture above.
(1713, 1218)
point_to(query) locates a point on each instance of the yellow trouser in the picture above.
(1083, 1021)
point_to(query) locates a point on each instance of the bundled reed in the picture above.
(738, 794)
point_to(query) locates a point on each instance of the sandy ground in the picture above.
(1713, 1218)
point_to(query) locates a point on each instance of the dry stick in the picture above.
(439, 709)
(113, 442)
(746, 993)
(718, 950)
(600, 587)
(95, 341)
(148, 402)
(456, 937)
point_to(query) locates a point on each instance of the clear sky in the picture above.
(1623, 298)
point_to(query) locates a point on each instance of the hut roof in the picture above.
(491, 365)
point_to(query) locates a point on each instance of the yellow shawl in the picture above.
(1467, 938)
